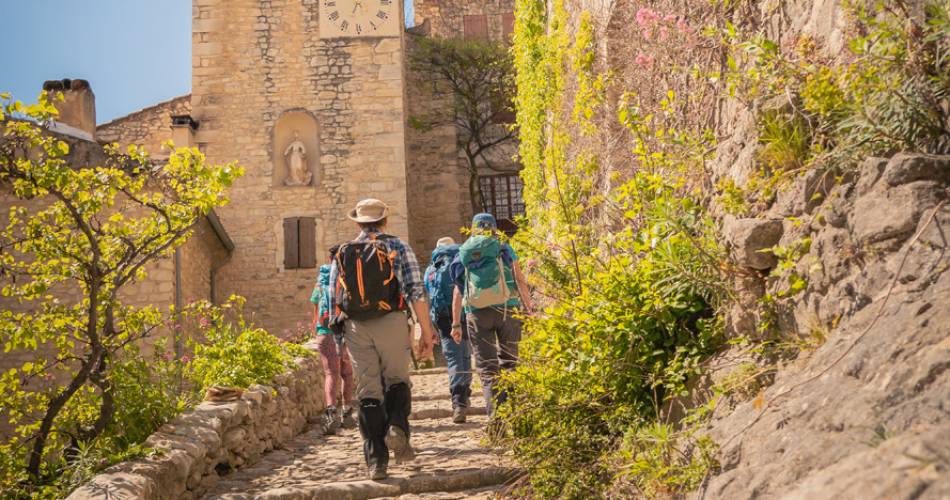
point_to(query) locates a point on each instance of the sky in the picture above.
(134, 53)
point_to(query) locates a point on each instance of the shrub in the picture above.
(231, 352)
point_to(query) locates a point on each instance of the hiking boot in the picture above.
(458, 414)
(398, 441)
(348, 421)
(331, 421)
(377, 472)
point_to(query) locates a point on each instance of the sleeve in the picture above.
(410, 279)
(457, 273)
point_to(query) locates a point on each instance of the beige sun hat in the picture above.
(369, 210)
(447, 240)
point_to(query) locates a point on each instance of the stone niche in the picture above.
(296, 150)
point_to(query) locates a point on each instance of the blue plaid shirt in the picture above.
(407, 269)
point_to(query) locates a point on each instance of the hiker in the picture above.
(376, 279)
(490, 290)
(458, 355)
(337, 368)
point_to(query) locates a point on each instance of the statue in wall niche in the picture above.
(298, 173)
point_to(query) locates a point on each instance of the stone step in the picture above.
(472, 479)
(430, 371)
(427, 413)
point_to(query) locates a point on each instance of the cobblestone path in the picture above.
(450, 461)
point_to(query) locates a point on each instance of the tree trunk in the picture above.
(475, 195)
(52, 411)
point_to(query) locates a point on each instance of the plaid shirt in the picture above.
(407, 269)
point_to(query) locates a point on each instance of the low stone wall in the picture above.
(207, 442)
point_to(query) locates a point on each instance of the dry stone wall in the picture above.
(199, 446)
(252, 62)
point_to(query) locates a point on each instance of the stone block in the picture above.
(905, 168)
(747, 238)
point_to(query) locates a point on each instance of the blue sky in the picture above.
(133, 52)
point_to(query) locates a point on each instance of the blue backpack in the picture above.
(438, 280)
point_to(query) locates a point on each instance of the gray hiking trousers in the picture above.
(495, 335)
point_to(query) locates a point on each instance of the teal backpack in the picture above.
(485, 273)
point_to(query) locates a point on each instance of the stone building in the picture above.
(314, 101)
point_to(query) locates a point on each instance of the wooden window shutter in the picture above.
(507, 25)
(476, 26)
(291, 244)
(307, 232)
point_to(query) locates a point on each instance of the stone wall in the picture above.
(446, 18)
(200, 259)
(254, 61)
(148, 127)
(199, 446)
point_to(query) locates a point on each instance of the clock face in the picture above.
(353, 18)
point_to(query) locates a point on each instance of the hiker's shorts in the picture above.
(381, 352)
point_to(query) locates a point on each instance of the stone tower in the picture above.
(309, 97)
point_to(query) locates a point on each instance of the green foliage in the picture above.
(660, 461)
(630, 273)
(233, 353)
(84, 232)
(889, 93)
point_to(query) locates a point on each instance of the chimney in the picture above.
(78, 108)
(183, 131)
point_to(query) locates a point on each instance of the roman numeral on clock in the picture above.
(371, 23)
(334, 16)
(344, 25)
(382, 15)
(330, 3)
(359, 29)
(385, 2)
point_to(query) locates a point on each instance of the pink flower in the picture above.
(646, 17)
(186, 358)
(644, 60)
(664, 33)
(204, 322)
(682, 26)
(669, 18)
(647, 34)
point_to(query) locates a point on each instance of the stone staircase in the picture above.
(450, 459)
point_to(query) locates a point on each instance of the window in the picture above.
(475, 26)
(503, 197)
(300, 245)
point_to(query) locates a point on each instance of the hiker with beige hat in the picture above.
(376, 279)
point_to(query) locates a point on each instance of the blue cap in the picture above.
(484, 221)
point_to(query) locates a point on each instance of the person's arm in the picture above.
(523, 289)
(456, 315)
(316, 316)
(414, 291)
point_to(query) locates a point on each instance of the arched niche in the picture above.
(296, 150)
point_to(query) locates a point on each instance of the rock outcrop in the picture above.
(866, 414)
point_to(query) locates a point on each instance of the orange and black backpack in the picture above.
(367, 286)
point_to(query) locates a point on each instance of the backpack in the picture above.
(486, 283)
(367, 286)
(323, 307)
(438, 280)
